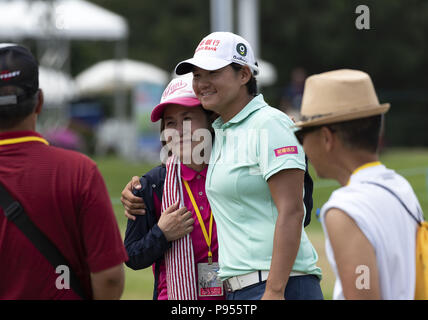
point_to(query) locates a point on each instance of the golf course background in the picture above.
(411, 163)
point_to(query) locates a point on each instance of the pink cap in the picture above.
(179, 91)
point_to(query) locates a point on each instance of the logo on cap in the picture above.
(208, 44)
(241, 49)
(7, 75)
(173, 87)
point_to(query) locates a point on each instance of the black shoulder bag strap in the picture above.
(397, 197)
(15, 213)
(307, 199)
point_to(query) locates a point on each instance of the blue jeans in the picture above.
(298, 288)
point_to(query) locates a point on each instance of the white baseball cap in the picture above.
(179, 91)
(218, 50)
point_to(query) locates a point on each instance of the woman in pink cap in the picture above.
(176, 233)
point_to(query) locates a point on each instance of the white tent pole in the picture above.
(121, 52)
(221, 15)
(248, 23)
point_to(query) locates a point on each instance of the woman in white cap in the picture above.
(180, 243)
(255, 178)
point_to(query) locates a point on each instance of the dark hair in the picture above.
(360, 134)
(251, 84)
(12, 115)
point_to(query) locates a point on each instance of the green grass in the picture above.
(411, 163)
(117, 173)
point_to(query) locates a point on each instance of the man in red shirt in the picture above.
(63, 194)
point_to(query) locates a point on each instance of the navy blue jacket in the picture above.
(144, 241)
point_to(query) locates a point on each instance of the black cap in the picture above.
(19, 68)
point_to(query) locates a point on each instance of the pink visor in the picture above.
(179, 91)
(190, 102)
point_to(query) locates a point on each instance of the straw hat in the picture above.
(338, 96)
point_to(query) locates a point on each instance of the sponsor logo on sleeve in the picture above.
(286, 150)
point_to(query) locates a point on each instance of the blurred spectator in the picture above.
(60, 192)
(291, 96)
(370, 222)
(64, 138)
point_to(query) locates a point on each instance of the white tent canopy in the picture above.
(54, 24)
(69, 19)
(58, 87)
(267, 73)
(109, 75)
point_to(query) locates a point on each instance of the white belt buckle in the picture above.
(240, 282)
(232, 284)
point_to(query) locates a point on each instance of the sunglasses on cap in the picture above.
(300, 134)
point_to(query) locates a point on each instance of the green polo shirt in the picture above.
(254, 145)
